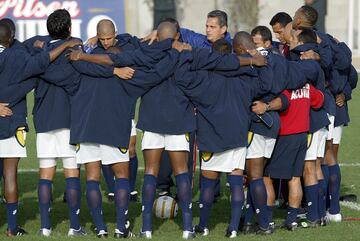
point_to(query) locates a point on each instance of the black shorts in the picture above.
(288, 157)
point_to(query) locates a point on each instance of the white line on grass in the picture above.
(31, 170)
(351, 205)
(349, 164)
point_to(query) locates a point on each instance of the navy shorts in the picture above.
(288, 157)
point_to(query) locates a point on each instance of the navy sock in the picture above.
(334, 189)
(133, 167)
(249, 208)
(122, 198)
(237, 200)
(291, 216)
(259, 198)
(322, 198)
(12, 209)
(269, 213)
(325, 171)
(73, 199)
(206, 200)
(94, 201)
(148, 197)
(184, 193)
(311, 195)
(44, 199)
(109, 177)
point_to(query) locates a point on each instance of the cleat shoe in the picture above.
(134, 196)
(267, 231)
(111, 196)
(247, 228)
(102, 234)
(44, 232)
(77, 232)
(231, 234)
(336, 218)
(324, 221)
(126, 234)
(18, 232)
(201, 231)
(290, 227)
(308, 224)
(188, 235)
(146, 234)
(272, 226)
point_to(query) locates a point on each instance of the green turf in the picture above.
(171, 229)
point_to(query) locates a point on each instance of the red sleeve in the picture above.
(316, 98)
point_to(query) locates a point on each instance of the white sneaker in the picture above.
(188, 235)
(146, 234)
(77, 232)
(44, 232)
(336, 218)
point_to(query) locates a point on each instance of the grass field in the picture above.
(171, 229)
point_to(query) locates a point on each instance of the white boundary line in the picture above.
(349, 164)
(351, 205)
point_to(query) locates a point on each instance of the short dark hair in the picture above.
(5, 33)
(310, 14)
(59, 24)
(307, 35)
(222, 46)
(282, 18)
(263, 31)
(220, 15)
(173, 21)
(10, 23)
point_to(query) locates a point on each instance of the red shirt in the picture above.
(296, 118)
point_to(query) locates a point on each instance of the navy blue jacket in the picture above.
(52, 102)
(314, 75)
(16, 66)
(198, 40)
(102, 108)
(222, 100)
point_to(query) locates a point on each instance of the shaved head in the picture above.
(244, 40)
(105, 26)
(106, 33)
(166, 30)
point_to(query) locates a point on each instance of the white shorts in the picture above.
(133, 128)
(14, 146)
(54, 144)
(226, 161)
(317, 145)
(260, 146)
(92, 152)
(330, 127)
(68, 162)
(337, 134)
(153, 140)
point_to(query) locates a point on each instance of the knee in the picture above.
(152, 170)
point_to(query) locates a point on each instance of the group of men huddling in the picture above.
(270, 110)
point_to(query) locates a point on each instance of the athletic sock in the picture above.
(249, 208)
(334, 189)
(94, 201)
(73, 199)
(325, 171)
(12, 209)
(291, 216)
(322, 198)
(122, 198)
(133, 167)
(311, 195)
(44, 199)
(269, 211)
(259, 198)
(184, 193)
(237, 200)
(109, 177)
(148, 197)
(207, 187)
